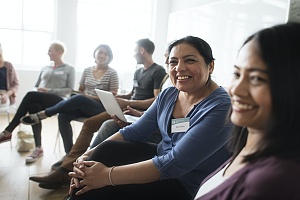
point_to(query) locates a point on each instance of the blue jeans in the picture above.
(109, 127)
(70, 109)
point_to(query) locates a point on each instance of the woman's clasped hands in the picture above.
(88, 175)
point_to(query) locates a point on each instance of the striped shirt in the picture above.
(108, 82)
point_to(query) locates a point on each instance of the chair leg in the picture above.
(57, 142)
(8, 119)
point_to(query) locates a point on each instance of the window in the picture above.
(117, 23)
(30, 26)
(26, 30)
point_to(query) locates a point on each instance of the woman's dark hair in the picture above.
(202, 47)
(279, 48)
(108, 49)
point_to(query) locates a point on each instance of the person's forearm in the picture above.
(137, 173)
(9, 92)
(60, 91)
(124, 96)
(141, 104)
(116, 136)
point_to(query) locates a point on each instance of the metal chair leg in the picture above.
(8, 119)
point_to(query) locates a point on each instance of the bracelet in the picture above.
(109, 175)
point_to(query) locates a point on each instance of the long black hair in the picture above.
(279, 48)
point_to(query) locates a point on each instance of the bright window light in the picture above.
(117, 23)
(26, 30)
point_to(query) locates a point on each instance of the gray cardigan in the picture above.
(59, 80)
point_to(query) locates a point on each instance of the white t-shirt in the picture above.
(212, 183)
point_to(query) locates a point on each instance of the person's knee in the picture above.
(64, 117)
(29, 94)
(34, 108)
(110, 123)
(94, 123)
(89, 122)
(76, 98)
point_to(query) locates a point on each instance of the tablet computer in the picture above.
(112, 107)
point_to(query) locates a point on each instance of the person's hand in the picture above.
(95, 176)
(42, 90)
(123, 103)
(4, 97)
(77, 173)
(119, 122)
(133, 112)
(129, 111)
(75, 92)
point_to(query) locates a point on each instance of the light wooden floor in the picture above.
(14, 173)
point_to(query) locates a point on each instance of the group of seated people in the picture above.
(194, 139)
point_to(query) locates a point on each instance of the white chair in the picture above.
(8, 111)
(57, 142)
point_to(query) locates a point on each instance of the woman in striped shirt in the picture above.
(85, 103)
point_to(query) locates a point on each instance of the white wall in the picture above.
(225, 24)
(179, 5)
(66, 27)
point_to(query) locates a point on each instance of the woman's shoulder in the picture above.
(88, 69)
(273, 173)
(167, 96)
(8, 65)
(275, 166)
(111, 70)
(220, 92)
(68, 66)
(169, 91)
(218, 97)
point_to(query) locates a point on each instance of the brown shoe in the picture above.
(51, 186)
(54, 178)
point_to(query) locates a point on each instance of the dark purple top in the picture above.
(269, 178)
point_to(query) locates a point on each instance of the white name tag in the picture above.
(180, 125)
(135, 83)
(58, 72)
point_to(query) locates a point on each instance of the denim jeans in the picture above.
(109, 127)
(70, 109)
